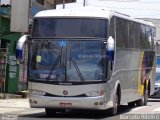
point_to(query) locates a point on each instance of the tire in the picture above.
(143, 101)
(115, 108)
(131, 104)
(50, 111)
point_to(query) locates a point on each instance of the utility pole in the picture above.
(84, 3)
(63, 4)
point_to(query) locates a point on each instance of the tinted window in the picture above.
(134, 35)
(142, 37)
(69, 27)
(153, 37)
(122, 32)
(148, 37)
(146, 40)
(112, 28)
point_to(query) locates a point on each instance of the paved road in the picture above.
(21, 109)
(153, 108)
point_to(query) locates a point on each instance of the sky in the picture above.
(5, 1)
(134, 8)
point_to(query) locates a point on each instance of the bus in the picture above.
(88, 59)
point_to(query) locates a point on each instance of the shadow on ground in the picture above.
(80, 114)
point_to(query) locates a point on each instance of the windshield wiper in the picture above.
(53, 68)
(77, 69)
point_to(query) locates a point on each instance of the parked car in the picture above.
(156, 93)
(157, 84)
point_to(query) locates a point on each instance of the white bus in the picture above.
(90, 59)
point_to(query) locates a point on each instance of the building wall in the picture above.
(51, 4)
(11, 67)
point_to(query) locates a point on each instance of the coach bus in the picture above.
(88, 59)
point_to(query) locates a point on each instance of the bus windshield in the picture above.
(69, 27)
(67, 60)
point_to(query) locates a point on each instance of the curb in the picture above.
(9, 96)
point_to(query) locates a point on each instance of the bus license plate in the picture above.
(65, 104)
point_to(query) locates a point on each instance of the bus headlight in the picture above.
(96, 93)
(36, 92)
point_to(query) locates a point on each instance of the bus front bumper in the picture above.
(95, 103)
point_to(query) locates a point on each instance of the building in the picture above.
(51, 4)
(13, 75)
(9, 70)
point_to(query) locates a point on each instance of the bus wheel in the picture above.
(114, 109)
(131, 104)
(143, 101)
(50, 111)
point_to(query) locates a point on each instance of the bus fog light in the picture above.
(37, 92)
(96, 103)
(31, 101)
(96, 93)
(35, 102)
(101, 103)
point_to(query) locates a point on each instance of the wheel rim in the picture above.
(145, 97)
(116, 104)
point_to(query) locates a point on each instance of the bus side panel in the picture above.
(127, 66)
(132, 68)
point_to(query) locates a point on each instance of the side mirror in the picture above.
(110, 48)
(20, 47)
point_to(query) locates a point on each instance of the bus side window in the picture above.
(142, 36)
(112, 27)
(121, 33)
(134, 35)
(148, 38)
(137, 36)
(153, 38)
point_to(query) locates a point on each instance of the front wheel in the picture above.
(50, 111)
(114, 109)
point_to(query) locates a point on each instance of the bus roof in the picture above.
(88, 12)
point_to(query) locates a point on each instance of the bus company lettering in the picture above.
(53, 76)
(91, 56)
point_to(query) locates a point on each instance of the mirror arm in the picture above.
(20, 45)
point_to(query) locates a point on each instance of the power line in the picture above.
(120, 0)
(148, 2)
(123, 8)
(149, 15)
(138, 1)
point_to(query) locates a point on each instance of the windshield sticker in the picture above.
(63, 43)
(43, 76)
(38, 58)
